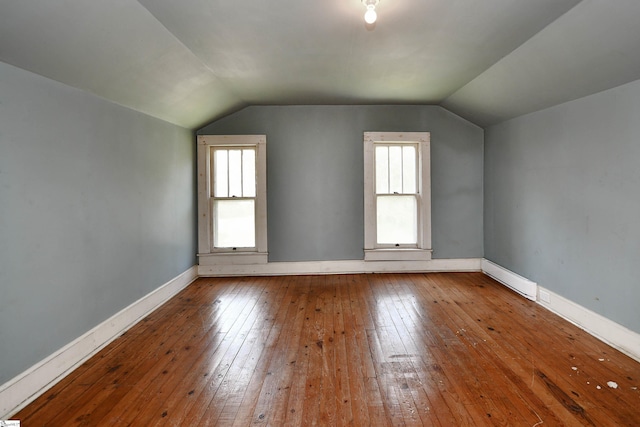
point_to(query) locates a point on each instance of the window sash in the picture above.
(234, 222)
(396, 168)
(233, 172)
(397, 220)
(233, 178)
(396, 174)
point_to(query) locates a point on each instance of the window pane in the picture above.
(220, 173)
(248, 173)
(397, 219)
(395, 169)
(382, 170)
(235, 173)
(409, 169)
(234, 224)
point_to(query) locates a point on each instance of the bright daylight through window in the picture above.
(234, 192)
(396, 194)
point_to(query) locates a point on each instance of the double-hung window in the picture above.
(397, 196)
(232, 199)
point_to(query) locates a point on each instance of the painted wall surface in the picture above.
(97, 209)
(315, 176)
(562, 200)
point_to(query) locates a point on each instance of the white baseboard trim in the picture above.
(606, 330)
(27, 386)
(519, 284)
(341, 267)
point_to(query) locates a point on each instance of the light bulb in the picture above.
(370, 15)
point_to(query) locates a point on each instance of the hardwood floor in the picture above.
(363, 350)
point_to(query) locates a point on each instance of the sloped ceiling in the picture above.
(192, 61)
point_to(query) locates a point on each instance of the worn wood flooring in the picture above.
(451, 349)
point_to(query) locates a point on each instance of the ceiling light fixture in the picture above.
(370, 15)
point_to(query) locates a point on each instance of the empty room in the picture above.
(347, 212)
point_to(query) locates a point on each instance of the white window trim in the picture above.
(371, 250)
(206, 253)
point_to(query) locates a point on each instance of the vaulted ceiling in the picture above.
(192, 61)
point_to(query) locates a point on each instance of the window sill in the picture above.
(397, 254)
(233, 258)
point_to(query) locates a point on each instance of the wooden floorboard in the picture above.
(440, 349)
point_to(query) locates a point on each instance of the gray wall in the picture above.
(562, 200)
(315, 176)
(97, 210)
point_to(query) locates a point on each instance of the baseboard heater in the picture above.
(517, 283)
